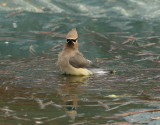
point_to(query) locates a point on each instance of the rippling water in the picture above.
(121, 35)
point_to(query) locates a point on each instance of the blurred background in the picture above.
(44, 23)
(114, 34)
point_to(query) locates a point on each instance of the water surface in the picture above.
(119, 35)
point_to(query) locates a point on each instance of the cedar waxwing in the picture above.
(70, 60)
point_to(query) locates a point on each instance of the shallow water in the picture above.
(119, 35)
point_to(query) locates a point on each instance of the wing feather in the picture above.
(79, 61)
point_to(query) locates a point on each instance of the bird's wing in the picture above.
(79, 61)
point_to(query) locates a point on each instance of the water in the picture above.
(121, 35)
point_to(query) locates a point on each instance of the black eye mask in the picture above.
(71, 40)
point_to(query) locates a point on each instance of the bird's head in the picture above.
(72, 39)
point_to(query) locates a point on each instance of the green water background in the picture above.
(121, 35)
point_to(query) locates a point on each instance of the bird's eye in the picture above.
(71, 40)
(74, 40)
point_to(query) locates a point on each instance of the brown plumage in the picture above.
(70, 60)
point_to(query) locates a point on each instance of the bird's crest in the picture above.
(72, 34)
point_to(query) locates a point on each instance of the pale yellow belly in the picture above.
(76, 71)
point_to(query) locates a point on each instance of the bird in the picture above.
(70, 60)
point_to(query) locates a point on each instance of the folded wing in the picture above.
(79, 61)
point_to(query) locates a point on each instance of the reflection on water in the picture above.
(70, 93)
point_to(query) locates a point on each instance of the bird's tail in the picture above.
(101, 71)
